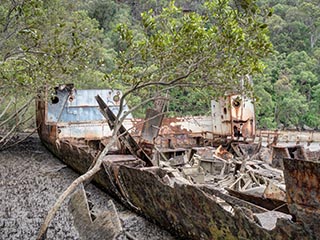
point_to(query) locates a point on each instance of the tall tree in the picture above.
(43, 43)
(212, 49)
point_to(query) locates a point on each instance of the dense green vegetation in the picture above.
(290, 86)
(193, 51)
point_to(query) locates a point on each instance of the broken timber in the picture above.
(125, 137)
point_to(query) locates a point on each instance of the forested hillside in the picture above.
(288, 90)
(106, 43)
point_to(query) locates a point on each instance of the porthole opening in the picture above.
(54, 100)
(225, 111)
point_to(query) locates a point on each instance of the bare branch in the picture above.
(4, 140)
(6, 108)
(5, 146)
(192, 68)
(52, 212)
(23, 108)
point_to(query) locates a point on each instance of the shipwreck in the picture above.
(198, 177)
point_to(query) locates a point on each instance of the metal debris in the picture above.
(106, 225)
(303, 193)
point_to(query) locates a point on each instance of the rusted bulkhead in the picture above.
(303, 193)
(233, 116)
(279, 152)
(74, 113)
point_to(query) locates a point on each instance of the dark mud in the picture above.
(31, 179)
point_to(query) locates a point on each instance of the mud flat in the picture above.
(31, 179)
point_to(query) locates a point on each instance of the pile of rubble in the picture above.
(250, 172)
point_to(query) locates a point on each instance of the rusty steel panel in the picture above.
(303, 192)
(191, 213)
(105, 225)
(242, 108)
(151, 126)
(278, 154)
(265, 202)
(243, 116)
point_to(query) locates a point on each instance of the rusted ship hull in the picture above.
(188, 210)
(185, 210)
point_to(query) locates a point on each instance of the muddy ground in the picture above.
(31, 179)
